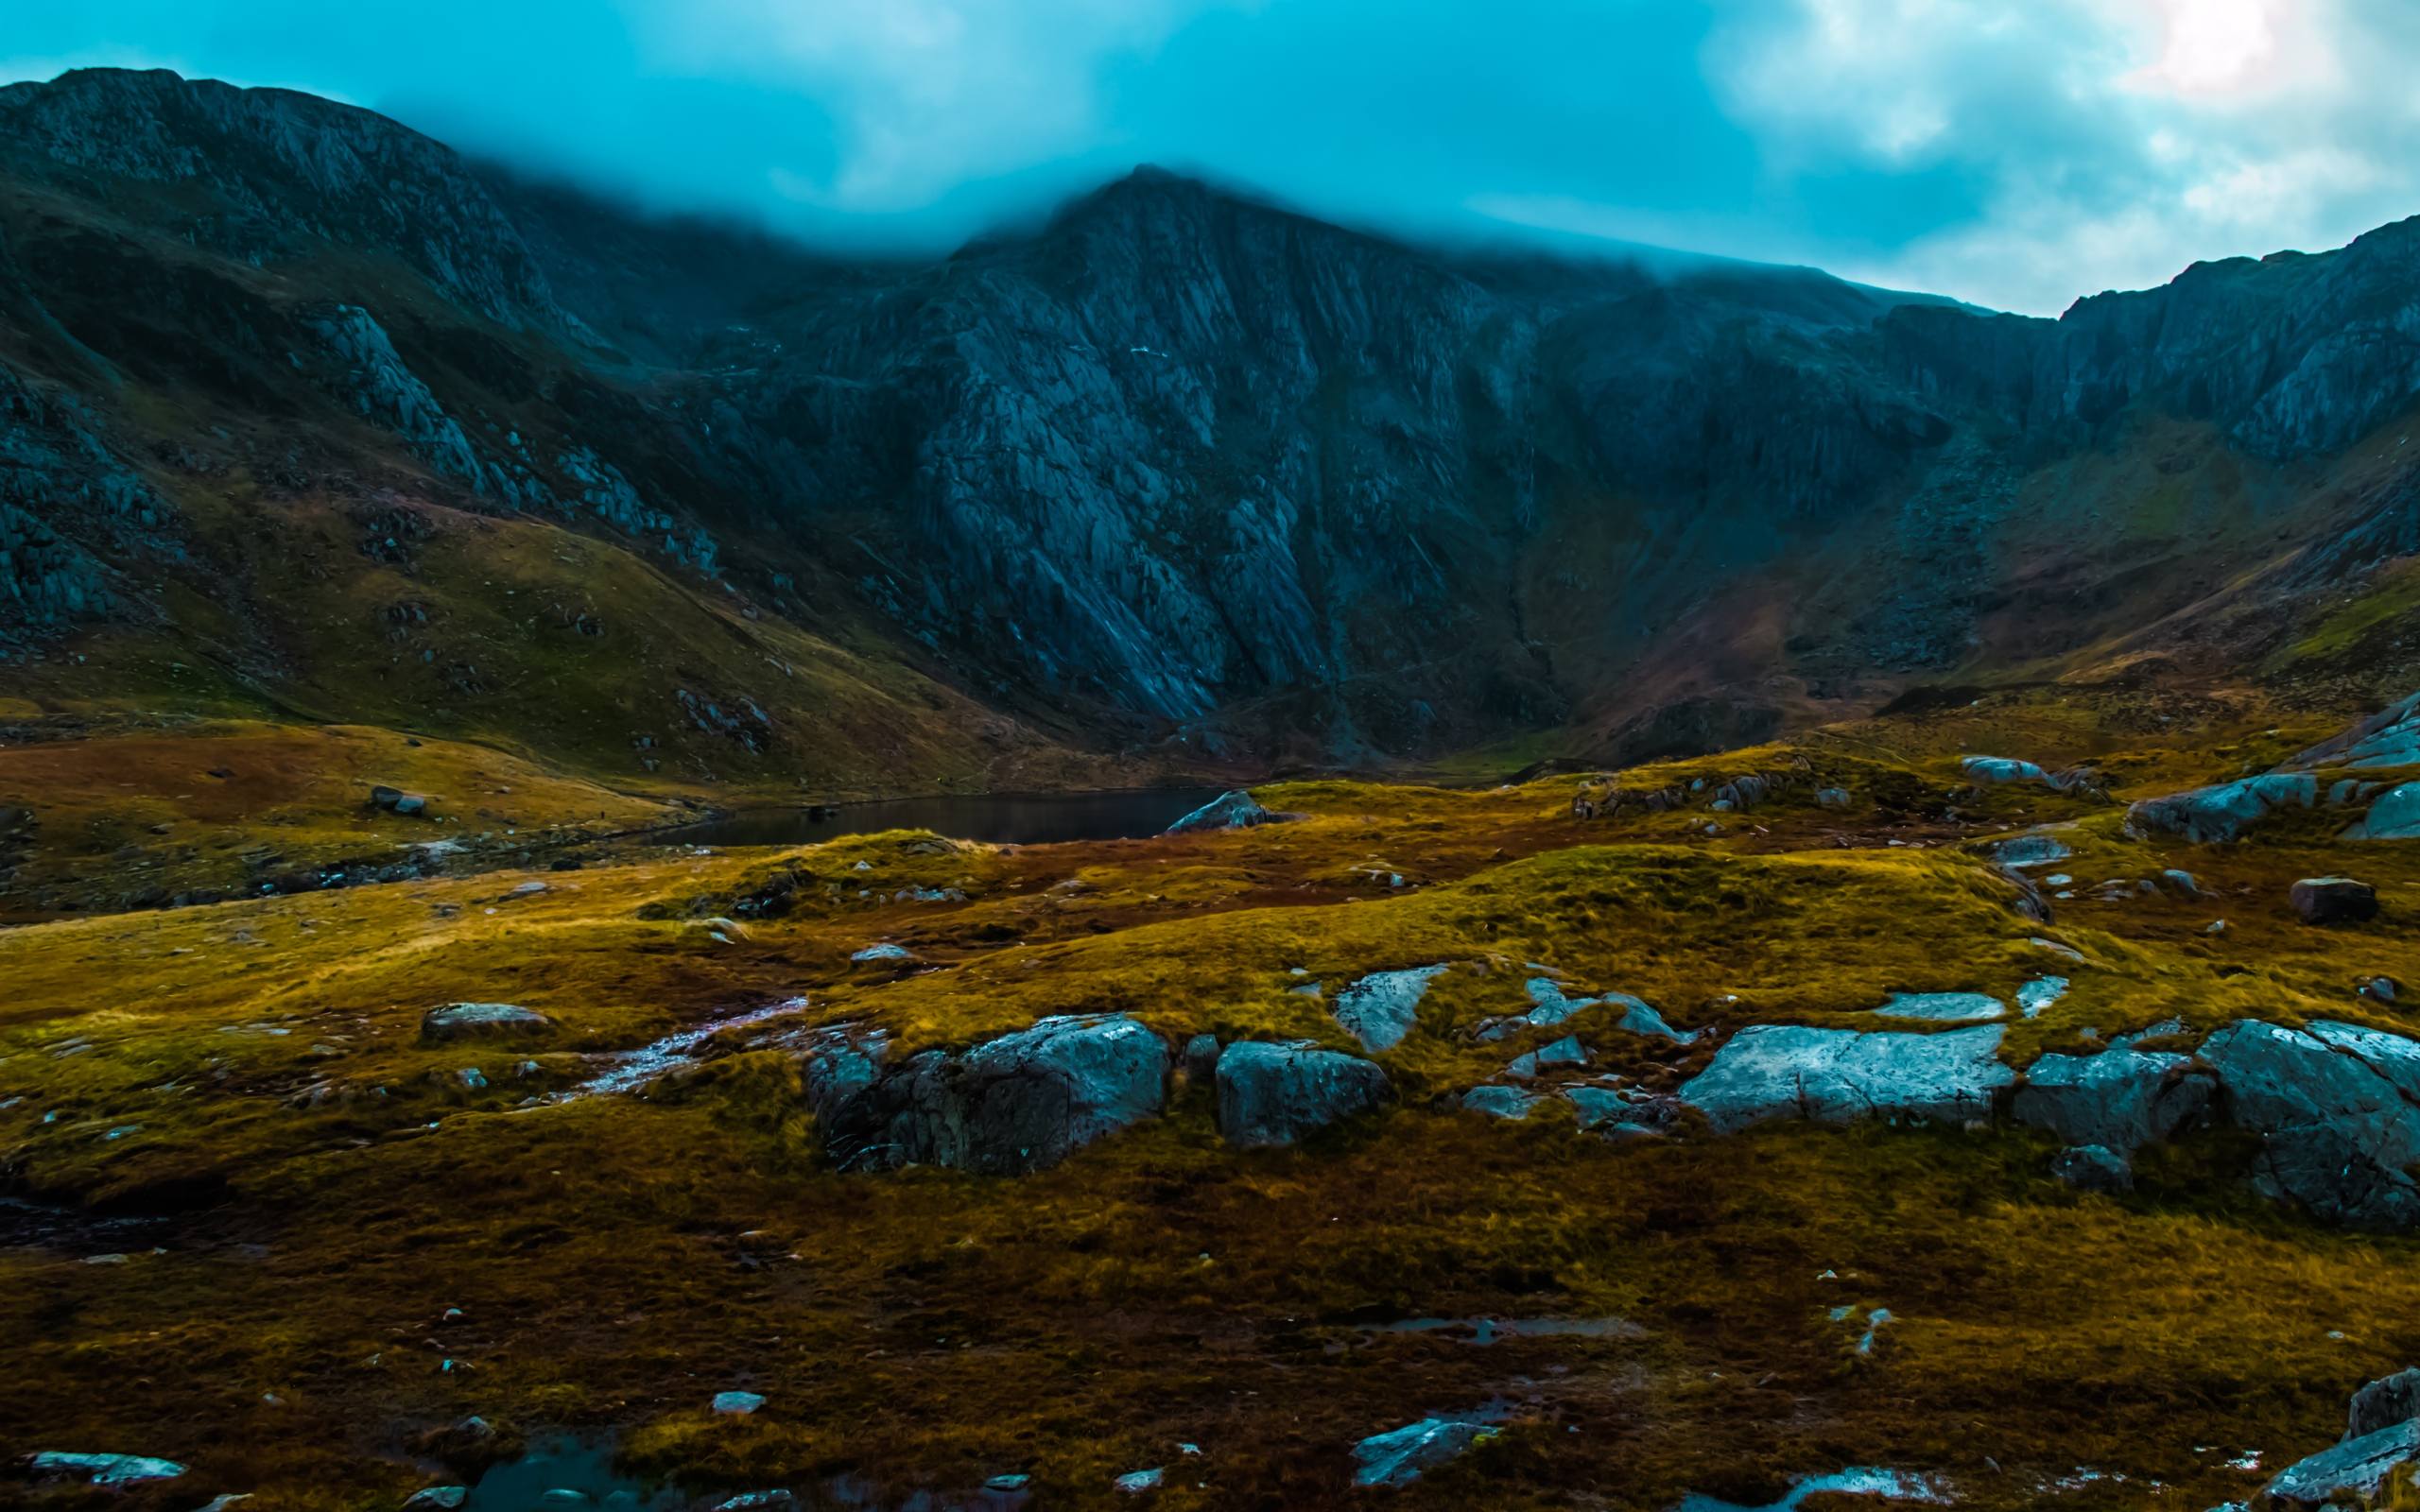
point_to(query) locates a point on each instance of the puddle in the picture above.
(562, 1472)
(1001, 818)
(633, 1069)
(1857, 1480)
(1491, 1329)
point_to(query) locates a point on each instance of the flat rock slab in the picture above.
(1944, 1007)
(1771, 1071)
(1273, 1094)
(1399, 1456)
(104, 1469)
(2337, 1110)
(1381, 1007)
(2357, 1468)
(2223, 811)
(2122, 1098)
(481, 1021)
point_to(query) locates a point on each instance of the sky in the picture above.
(2014, 153)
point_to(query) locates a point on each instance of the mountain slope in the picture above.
(1173, 472)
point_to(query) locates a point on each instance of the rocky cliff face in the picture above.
(1174, 464)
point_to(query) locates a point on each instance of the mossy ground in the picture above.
(235, 1101)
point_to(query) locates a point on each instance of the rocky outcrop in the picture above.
(1238, 810)
(2337, 1110)
(482, 1020)
(2352, 1473)
(2122, 1099)
(2388, 738)
(2389, 1401)
(1382, 1007)
(1005, 1107)
(1770, 1072)
(1271, 1094)
(2208, 815)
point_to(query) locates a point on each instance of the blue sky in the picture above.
(2017, 153)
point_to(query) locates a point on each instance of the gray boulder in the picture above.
(1200, 1057)
(481, 1021)
(1381, 1007)
(1833, 797)
(2334, 901)
(1399, 1456)
(2223, 812)
(2389, 1401)
(1271, 1094)
(1500, 1102)
(1839, 1075)
(2001, 769)
(2356, 1469)
(103, 1470)
(2093, 1168)
(2031, 851)
(1007, 1106)
(2337, 1110)
(2120, 1098)
(1238, 810)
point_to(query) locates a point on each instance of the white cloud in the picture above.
(926, 93)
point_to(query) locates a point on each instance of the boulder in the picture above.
(1566, 1050)
(2093, 1168)
(1500, 1102)
(2334, 901)
(2001, 769)
(481, 1021)
(1271, 1094)
(2122, 1098)
(437, 1499)
(1381, 1007)
(2356, 1470)
(1238, 810)
(1200, 1057)
(1619, 1112)
(2223, 812)
(1837, 1075)
(1833, 797)
(2389, 1401)
(1005, 1107)
(2337, 1110)
(1399, 1456)
(878, 955)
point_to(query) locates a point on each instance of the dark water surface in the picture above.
(998, 818)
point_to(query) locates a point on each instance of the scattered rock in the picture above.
(1381, 1007)
(2334, 901)
(1622, 1113)
(2039, 993)
(737, 1404)
(1837, 1075)
(886, 952)
(2123, 1099)
(2224, 811)
(1500, 1102)
(1399, 1456)
(1833, 797)
(2093, 1168)
(1238, 810)
(1271, 1094)
(477, 1020)
(1135, 1482)
(437, 1499)
(1009, 1106)
(2382, 990)
(2183, 881)
(2001, 769)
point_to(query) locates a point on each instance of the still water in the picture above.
(1031, 818)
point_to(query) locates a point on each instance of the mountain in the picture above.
(307, 414)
